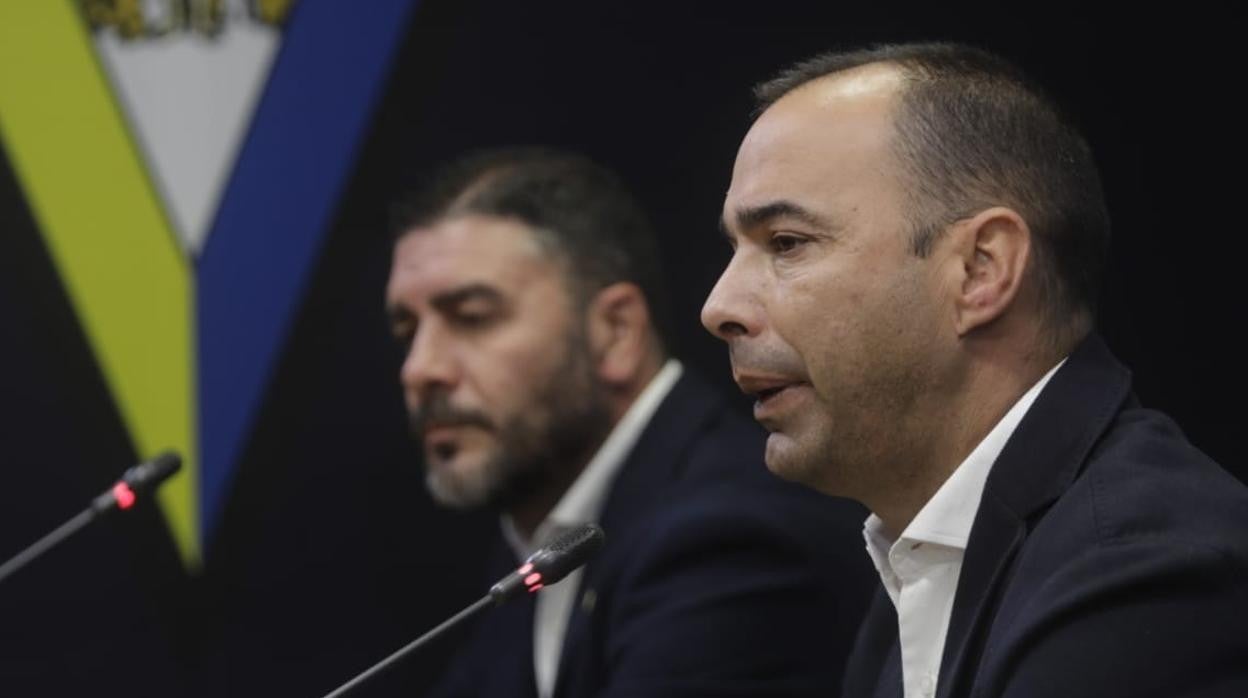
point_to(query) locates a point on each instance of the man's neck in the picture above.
(989, 391)
(529, 513)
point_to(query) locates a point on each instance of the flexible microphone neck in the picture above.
(136, 481)
(551, 563)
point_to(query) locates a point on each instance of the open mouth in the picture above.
(767, 393)
(773, 400)
(444, 450)
(441, 442)
(772, 392)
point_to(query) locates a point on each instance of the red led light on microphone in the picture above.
(124, 495)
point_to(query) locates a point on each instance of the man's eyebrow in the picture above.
(450, 299)
(754, 216)
(446, 301)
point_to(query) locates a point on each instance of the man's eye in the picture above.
(403, 334)
(473, 318)
(785, 242)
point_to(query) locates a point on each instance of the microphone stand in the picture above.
(122, 495)
(480, 605)
(548, 565)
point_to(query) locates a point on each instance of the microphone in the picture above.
(551, 563)
(140, 479)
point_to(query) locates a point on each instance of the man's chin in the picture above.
(461, 482)
(786, 458)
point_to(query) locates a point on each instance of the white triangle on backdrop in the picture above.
(189, 100)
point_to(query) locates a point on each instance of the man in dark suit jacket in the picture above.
(538, 380)
(1108, 558)
(918, 235)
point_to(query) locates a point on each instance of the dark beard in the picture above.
(542, 460)
(542, 450)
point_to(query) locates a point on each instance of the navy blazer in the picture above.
(717, 579)
(1108, 557)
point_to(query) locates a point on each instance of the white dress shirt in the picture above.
(582, 503)
(920, 569)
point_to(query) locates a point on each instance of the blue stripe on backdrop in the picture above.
(291, 172)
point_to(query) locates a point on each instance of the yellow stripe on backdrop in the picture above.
(107, 232)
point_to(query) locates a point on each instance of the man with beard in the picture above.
(918, 235)
(525, 289)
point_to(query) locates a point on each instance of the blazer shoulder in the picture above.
(1145, 482)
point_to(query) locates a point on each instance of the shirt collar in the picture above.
(946, 519)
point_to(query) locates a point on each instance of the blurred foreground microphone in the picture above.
(548, 565)
(138, 480)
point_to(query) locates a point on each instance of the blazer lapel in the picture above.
(1039, 462)
(995, 539)
(653, 463)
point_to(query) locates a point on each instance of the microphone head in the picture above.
(568, 551)
(554, 561)
(145, 476)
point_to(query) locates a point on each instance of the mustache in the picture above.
(438, 411)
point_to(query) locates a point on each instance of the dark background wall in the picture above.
(330, 554)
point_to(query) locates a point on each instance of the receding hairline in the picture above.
(887, 78)
(885, 81)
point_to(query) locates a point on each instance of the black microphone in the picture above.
(551, 563)
(548, 565)
(140, 479)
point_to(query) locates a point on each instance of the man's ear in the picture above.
(991, 253)
(619, 332)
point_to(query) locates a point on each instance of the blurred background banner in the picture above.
(181, 161)
(194, 246)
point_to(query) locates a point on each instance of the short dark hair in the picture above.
(972, 131)
(580, 210)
